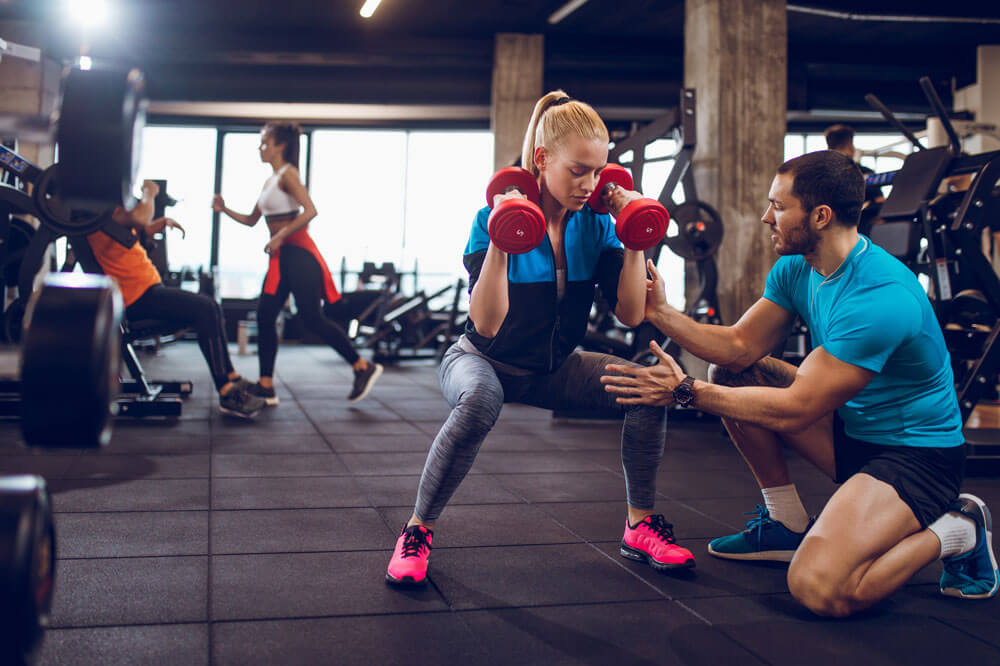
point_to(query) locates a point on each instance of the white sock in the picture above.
(956, 532)
(784, 505)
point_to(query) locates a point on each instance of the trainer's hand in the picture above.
(653, 385)
(218, 203)
(656, 295)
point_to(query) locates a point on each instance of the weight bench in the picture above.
(151, 334)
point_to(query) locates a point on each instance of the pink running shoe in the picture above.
(408, 565)
(652, 541)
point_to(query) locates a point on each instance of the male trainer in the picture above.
(873, 405)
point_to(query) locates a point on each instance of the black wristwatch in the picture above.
(684, 392)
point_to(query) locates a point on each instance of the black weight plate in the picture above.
(13, 319)
(970, 307)
(100, 127)
(696, 232)
(27, 565)
(72, 336)
(17, 242)
(53, 211)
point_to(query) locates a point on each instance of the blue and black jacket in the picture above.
(539, 332)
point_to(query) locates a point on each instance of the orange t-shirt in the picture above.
(130, 267)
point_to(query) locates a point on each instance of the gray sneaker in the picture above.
(364, 380)
(268, 395)
(241, 404)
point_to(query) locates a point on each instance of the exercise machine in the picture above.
(938, 233)
(694, 234)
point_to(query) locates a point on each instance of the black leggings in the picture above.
(301, 276)
(188, 309)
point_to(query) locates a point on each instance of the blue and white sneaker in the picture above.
(972, 575)
(764, 539)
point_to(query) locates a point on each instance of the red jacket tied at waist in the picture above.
(300, 238)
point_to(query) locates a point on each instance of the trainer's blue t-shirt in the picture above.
(873, 313)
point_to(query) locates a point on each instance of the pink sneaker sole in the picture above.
(642, 556)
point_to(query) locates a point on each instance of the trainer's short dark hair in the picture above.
(831, 178)
(839, 136)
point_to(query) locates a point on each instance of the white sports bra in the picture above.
(273, 200)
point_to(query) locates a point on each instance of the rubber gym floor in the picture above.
(214, 541)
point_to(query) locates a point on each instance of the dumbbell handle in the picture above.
(608, 190)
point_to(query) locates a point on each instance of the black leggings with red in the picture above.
(301, 276)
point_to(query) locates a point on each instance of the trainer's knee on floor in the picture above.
(816, 589)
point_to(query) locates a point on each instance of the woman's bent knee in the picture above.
(481, 405)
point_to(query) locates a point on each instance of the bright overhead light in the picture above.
(88, 13)
(566, 10)
(85, 62)
(369, 8)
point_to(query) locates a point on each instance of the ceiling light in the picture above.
(88, 13)
(566, 10)
(369, 8)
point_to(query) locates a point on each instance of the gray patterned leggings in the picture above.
(476, 392)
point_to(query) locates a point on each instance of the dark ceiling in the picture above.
(612, 53)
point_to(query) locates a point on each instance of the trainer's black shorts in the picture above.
(927, 478)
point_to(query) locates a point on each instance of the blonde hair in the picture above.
(557, 116)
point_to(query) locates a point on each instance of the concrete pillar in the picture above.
(28, 87)
(983, 98)
(735, 56)
(517, 84)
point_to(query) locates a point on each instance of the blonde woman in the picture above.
(527, 314)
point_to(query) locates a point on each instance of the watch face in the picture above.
(684, 393)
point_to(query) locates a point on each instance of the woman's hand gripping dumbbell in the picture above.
(640, 222)
(516, 224)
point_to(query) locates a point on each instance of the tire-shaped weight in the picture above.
(70, 360)
(100, 137)
(27, 565)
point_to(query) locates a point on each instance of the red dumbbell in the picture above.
(642, 223)
(515, 225)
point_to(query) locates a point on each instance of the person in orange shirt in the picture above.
(146, 297)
